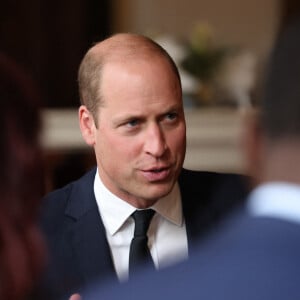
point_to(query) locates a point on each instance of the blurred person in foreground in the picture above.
(21, 183)
(132, 115)
(255, 255)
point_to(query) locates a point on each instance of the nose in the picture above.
(155, 143)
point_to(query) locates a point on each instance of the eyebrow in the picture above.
(126, 118)
(130, 116)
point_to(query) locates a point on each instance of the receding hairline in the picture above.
(124, 45)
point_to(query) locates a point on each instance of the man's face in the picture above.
(141, 136)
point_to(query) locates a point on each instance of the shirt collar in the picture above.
(115, 211)
(170, 206)
(276, 199)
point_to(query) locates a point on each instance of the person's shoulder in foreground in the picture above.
(246, 257)
(234, 263)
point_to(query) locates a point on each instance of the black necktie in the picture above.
(139, 254)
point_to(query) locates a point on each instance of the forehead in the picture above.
(141, 65)
(140, 83)
(155, 72)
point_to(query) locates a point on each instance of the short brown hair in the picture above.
(281, 102)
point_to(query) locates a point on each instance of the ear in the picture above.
(253, 145)
(87, 125)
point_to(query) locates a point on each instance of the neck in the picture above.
(282, 162)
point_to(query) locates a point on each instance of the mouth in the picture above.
(157, 170)
(157, 173)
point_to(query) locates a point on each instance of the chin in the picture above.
(160, 192)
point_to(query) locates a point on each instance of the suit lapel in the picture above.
(90, 247)
(87, 233)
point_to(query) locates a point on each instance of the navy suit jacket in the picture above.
(250, 258)
(75, 234)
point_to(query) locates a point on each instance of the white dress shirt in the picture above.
(167, 232)
(279, 200)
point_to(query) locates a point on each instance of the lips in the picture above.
(157, 174)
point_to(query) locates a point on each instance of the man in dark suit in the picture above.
(132, 115)
(255, 255)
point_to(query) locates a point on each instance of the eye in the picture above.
(171, 116)
(132, 123)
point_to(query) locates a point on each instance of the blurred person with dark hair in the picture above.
(21, 183)
(255, 254)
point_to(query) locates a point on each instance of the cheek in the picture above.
(117, 149)
(177, 141)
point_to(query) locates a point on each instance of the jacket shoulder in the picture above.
(207, 197)
(54, 204)
(213, 182)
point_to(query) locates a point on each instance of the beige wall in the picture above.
(251, 24)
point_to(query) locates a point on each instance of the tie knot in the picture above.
(142, 219)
